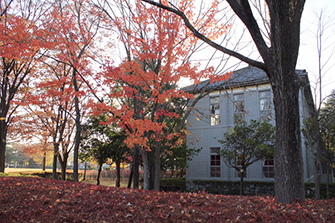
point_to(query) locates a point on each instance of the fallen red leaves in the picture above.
(44, 200)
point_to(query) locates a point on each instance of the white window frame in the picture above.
(270, 172)
(268, 111)
(239, 98)
(215, 165)
(214, 107)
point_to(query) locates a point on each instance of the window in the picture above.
(239, 107)
(268, 168)
(265, 105)
(239, 161)
(215, 110)
(215, 162)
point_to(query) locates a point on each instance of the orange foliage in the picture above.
(144, 84)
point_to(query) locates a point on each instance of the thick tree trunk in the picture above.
(99, 172)
(118, 174)
(136, 175)
(63, 163)
(3, 140)
(63, 170)
(289, 178)
(280, 61)
(152, 169)
(157, 166)
(131, 176)
(144, 154)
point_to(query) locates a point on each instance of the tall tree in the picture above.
(324, 53)
(21, 41)
(74, 24)
(51, 108)
(145, 82)
(278, 47)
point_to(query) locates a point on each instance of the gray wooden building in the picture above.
(247, 94)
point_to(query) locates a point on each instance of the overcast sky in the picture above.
(308, 56)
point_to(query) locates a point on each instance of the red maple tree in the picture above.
(144, 85)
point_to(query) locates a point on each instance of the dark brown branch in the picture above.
(205, 39)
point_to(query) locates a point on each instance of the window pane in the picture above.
(238, 97)
(215, 162)
(215, 109)
(265, 103)
(215, 150)
(264, 94)
(266, 115)
(268, 162)
(215, 120)
(215, 100)
(268, 168)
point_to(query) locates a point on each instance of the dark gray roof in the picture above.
(243, 77)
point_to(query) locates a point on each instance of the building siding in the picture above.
(206, 136)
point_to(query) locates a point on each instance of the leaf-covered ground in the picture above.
(43, 200)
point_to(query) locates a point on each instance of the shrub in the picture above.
(173, 184)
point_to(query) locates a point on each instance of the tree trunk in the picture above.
(54, 164)
(157, 166)
(63, 170)
(44, 161)
(85, 168)
(78, 130)
(118, 173)
(99, 172)
(63, 163)
(131, 175)
(241, 181)
(317, 179)
(144, 154)
(280, 61)
(3, 140)
(136, 176)
(328, 170)
(152, 169)
(289, 178)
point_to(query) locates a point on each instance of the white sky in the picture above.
(308, 55)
